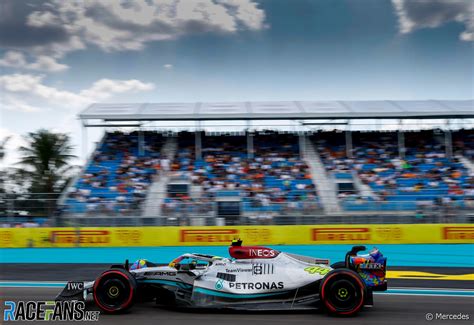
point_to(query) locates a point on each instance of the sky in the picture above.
(57, 57)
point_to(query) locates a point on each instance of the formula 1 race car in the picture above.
(254, 278)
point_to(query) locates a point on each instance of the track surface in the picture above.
(86, 272)
(388, 309)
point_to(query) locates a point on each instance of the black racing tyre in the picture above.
(115, 291)
(338, 265)
(343, 292)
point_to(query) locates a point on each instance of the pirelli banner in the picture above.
(251, 235)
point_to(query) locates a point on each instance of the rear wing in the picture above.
(353, 252)
(371, 267)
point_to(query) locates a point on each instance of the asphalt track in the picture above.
(406, 276)
(388, 309)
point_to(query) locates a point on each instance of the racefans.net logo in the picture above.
(48, 311)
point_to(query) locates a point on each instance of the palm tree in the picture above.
(45, 161)
(46, 158)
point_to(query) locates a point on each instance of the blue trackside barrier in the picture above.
(441, 255)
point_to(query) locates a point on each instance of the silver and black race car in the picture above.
(254, 278)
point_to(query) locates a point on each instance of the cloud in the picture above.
(115, 26)
(168, 66)
(30, 94)
(16, 59)
(13, 59)
(46, 63)
(105, 88)
(19, 89)
(31, 86)
(56, 27)
(16, 34)
(418, 14)
(15, 104)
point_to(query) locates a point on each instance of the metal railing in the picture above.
(463, 216)
(244, 208)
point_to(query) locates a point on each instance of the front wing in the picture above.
(76, 290)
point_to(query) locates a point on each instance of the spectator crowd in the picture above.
(269, 180)
(273, 179)
(119, 173)
(422, 175)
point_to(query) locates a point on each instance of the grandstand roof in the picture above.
(381, 109)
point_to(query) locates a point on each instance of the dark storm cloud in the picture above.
(16, 34)
(55, 28)
(197, 27)
(429, 13)
(98, 12)
(417, 14)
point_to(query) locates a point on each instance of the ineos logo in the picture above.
(262, 252)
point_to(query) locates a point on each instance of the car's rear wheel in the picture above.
(342, 292)
(114, 291)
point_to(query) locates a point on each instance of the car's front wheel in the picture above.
(115, 290)
(342, 292)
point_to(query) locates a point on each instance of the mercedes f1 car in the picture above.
(254, 278)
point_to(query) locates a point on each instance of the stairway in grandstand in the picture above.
(324, 186)
(362, 188)
(469, 165)
(157, 190)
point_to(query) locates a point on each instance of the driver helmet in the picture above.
(138, 264)
(375, 254)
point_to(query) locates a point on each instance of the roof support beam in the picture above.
(401, 144)
(448, 141)
(348, 143)
(302, 144)
(141, 143)
(198, 144)
(84, 141)
(250, 150)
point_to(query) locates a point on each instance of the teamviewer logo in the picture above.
(48, 311)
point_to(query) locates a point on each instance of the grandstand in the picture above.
(304, 174)
(398, 180)
(118, 174)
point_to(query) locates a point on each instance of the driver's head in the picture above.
(138, 264)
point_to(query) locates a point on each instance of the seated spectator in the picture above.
(424, 170)
(266, 180)
(117, 177)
